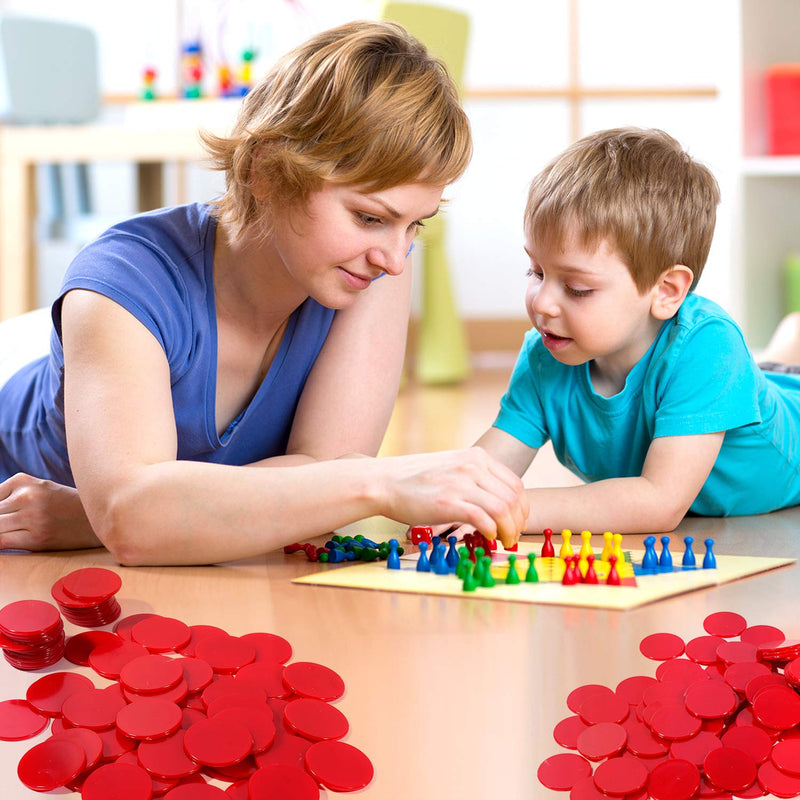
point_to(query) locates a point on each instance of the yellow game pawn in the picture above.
(608, 546)
(585, 551)
(618, 549)
(566, 548)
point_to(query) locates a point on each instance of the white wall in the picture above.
(523, 45)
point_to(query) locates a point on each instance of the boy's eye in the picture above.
(578, 292)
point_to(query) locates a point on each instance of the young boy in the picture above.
(647, 390)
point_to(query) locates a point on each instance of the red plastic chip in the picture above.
(315, 719)
(339, 766)
(225, 655)
(48, 694)
(149, 718)
(167, 757)
(730, 769)
(93, 584)
(313, 680)
(51, 764)
(161, 634)
(777, 707)
(675, 779)
(280, 780)
(604, 740)
(661, 646)
(621, 776)
(269, 647)
(726, 624)
(151, 673)
(754, 741)
(217, 742)
(20, 720)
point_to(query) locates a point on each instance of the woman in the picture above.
(213, 365)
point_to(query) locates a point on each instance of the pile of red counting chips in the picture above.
(31, 634)
(720, 719)
(86, 596)
(183, 705)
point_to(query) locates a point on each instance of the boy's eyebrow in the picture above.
(566, 267)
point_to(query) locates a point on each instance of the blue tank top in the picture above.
(159, 266)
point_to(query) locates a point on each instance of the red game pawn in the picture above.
(591, 575)
(613, 575)
(548, 551)
(571, 573)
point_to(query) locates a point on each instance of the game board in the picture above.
(549, 591)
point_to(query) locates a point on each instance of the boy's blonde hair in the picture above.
(360, 104)
(637, 188)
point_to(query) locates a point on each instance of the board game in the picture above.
(549, 590)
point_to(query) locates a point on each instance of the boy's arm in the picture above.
(507, 450)
(674, 471)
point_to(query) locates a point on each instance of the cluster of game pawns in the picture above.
(720, 719)
(185, 703)
(344, 548)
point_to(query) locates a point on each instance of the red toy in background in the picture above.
(783, 109)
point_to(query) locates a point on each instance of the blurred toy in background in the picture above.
(192, 69)
(149, 76)
(236, 85)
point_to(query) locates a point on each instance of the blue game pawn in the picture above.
(650, 557)
(452, 554)
(393, 559)
(709, 560)
(665, 559)
(423, 564)
(688, 556)
(440, 565)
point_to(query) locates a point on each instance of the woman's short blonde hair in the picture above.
(636, 187)
(361, 104)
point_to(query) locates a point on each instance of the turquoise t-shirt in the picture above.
(697, 377)
(159, 266)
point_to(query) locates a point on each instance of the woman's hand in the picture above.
(456, 486)
(38, 514)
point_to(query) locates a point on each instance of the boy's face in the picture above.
(587, 307)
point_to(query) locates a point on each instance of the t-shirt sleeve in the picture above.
(713, 384)
(521, 414)
(137, 276)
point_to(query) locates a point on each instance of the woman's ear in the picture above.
(670, 291)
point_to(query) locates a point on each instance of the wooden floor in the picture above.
(428, 418)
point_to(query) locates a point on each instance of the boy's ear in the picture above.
(670, 291)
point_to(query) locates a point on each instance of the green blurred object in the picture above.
(442, 349)
(792, 282)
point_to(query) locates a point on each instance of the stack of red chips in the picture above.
(86, 596)
(31, 634)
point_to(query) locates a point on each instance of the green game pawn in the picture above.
(487, 579)
(463, 561)
(512, 576)
(470, 584)
(531, 576)
(478, 569)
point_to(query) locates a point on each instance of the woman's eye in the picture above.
(533, 273)
(368, 219)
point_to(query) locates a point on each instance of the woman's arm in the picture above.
(147, 507)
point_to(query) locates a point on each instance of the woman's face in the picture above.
(346, 236)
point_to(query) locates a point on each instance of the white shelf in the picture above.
(771, 166)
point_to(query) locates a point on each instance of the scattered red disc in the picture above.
(703, 649)
(680, 670)
(339, 766)
(737, 652)
(196, 672)
(726, 624)
(779, 651)
(641, 740)
(781, 784)
(762, 634)
(114, 743)
(754, 741)
(217, 742)
(160, 785)
(604, 740)
(91, 743)
(94, 584)
(603, 708)
(675, 779)
(786, 756)
(20, 720)
(313, 680)
(177, 694)
(198, 633)
(118, 780)
(226, 656)
(48, 694)
(755, 685)
(51, 765)
(196, 791)
(269, 647)
(711, 699)
(661, 646)
(124, 626)
(737, 676)
(258, 722)
(279, 780)
(151, 673)
(633, 688)
(108, 658)
(792, 672)
(777, 707)
(730, 769)
(167, 757)
(93, 708)
(695, 749)
(566, 732)
(286, 749)
(149, 718)
(79, 646)
(161, 634)
(560, 772)
(620, 776)
(674, 722)
(665, 692)
(315, 719)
